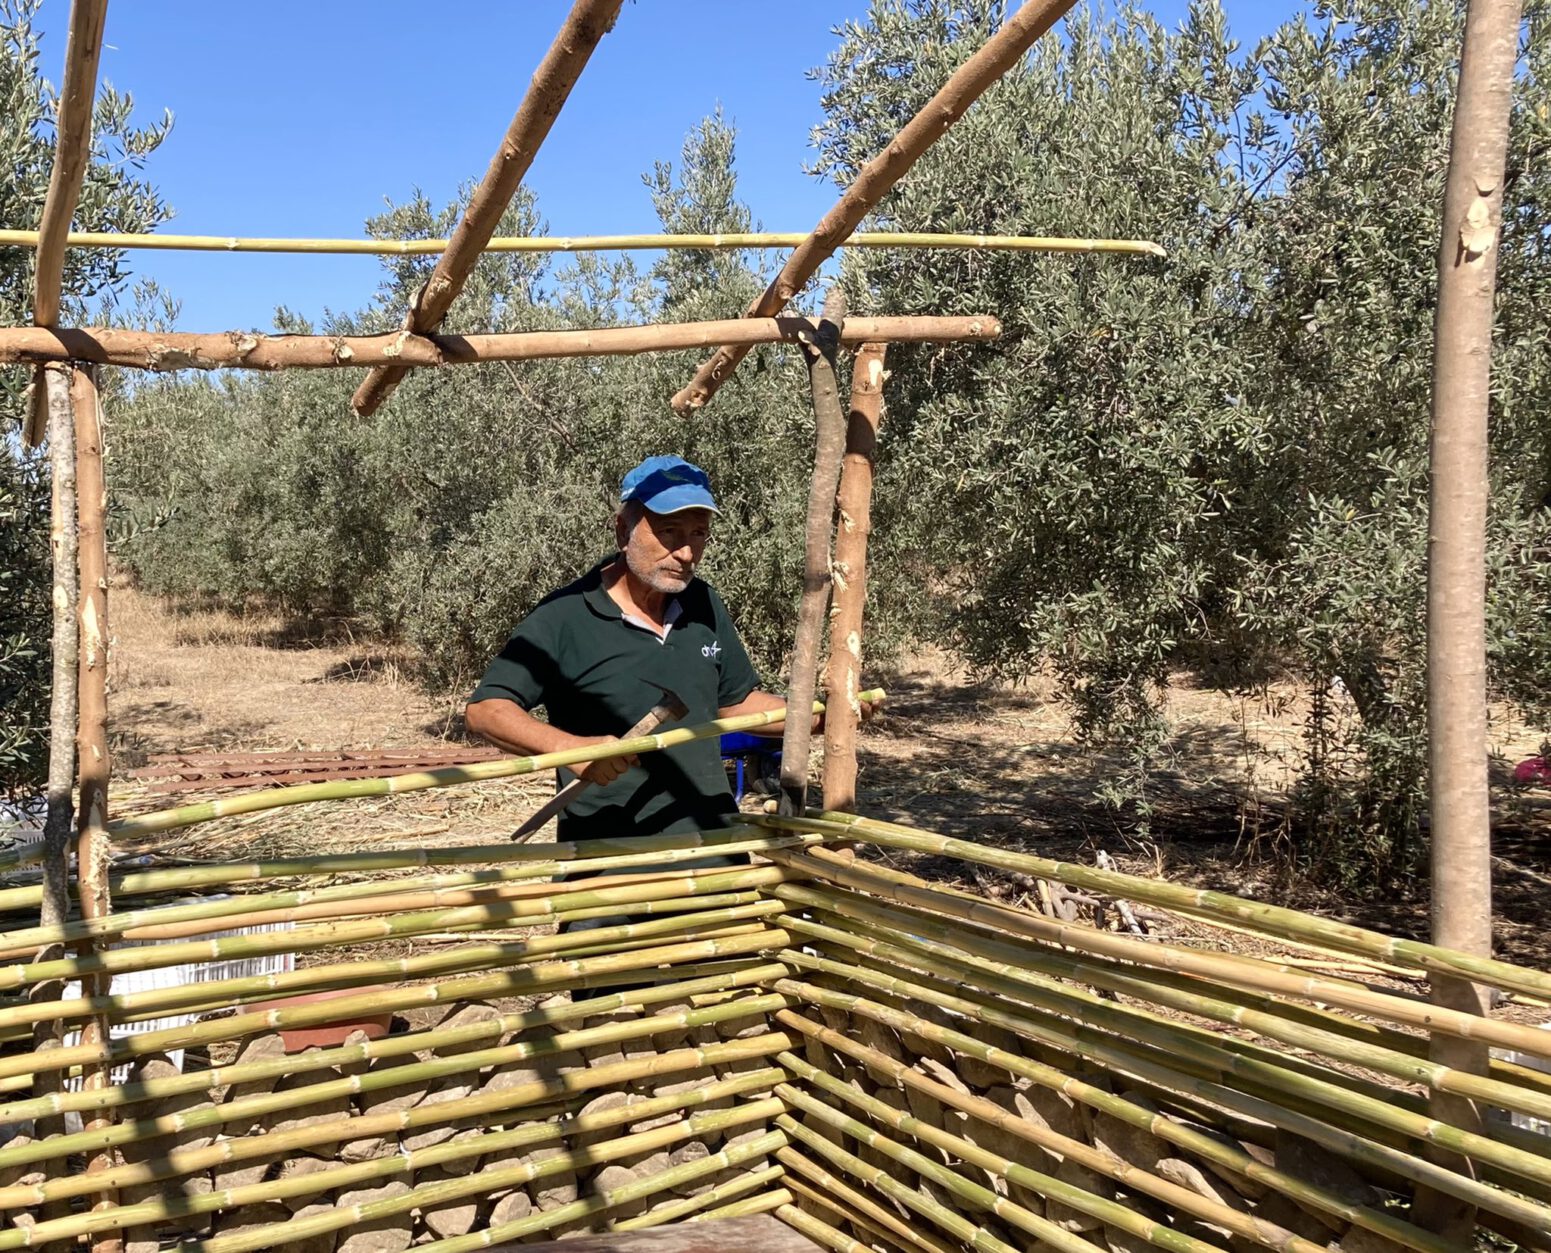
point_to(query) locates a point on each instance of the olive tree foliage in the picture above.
(114, 197)
(1217, 459)
(477, 490)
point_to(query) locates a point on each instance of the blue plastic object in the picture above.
(743, 750)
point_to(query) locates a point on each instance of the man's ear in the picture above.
(622, 529)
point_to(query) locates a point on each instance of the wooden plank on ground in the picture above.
(759, 1234)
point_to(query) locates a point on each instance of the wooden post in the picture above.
(54, 383)
(585, 25)
(829, 440)
(238, 350)
(1000, 53)
(843, 712)
(92, 845)
(1456, 550)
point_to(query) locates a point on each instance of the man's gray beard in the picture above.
(653, 577)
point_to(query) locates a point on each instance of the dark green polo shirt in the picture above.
(576, 655)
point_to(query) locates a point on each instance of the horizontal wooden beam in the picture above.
(586, 24)
(583, 243)
(239, 350)
(999, 54)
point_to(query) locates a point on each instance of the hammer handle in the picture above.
(655, 717)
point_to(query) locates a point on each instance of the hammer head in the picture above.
(670, 706)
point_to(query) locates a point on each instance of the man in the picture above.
(587, 651)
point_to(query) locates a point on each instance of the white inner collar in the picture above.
(669, 617)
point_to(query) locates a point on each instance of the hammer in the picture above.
(666, 710)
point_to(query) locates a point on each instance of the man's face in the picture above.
(663, 549)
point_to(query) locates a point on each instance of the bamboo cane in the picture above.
(513, 982)
(874, 180)
(509, 1176)
(1274, 919)
(820, 1232)
(1211, 1148)
(155, 922)
(166, 241)
(1283, 1112)
(505, 768)
(833, 1186)
(1110, 1212)
(536, 1130)
(326, 935)
(692, 979)
(1015, 963)
(953, 1223)
(675, 1210)
(1242, 971)
(877, 1235)
(1061, 1147)
(494, 952)
(499, 863)
(760, 1204)
(268, 1144)
(849, 574)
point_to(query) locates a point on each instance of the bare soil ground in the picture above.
(993, 763)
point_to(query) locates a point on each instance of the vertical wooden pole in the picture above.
(53, 382)
(850, 580)
(92, 846)
(1456, 548)
(829, 439)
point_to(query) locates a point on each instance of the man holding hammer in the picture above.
(636, 631)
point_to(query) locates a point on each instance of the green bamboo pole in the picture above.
(973, 1195)
(1283, 1112)
(760, 1204)
(674, 1210)
(1017, 962)
(532, 861)
(515, 982)
(693, 979)
(461, 1038)
(953, 1223)
(586, 243)
(819, 1231)
(227, 993)
(588, 1207)
(833, 1186)
(425, 1195)
(535, 1132)
(877, 1236)
(1210, 1147)
(328, 935)
(261, 1104)
(1271, 919)
(1216, 968)
(1132, 1178)
(1113, 1213)
(447, 776)
(529, 878)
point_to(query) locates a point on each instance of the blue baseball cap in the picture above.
(668, 485)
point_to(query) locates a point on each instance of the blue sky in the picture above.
(304, 122)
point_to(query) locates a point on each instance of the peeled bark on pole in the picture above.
(1456, 550)
(1000, 53)
(843, 711)
(92, 847)
(584, 27)
(240, 350)
(55, 907)
(829, 440)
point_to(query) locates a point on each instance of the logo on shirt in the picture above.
(713, 649)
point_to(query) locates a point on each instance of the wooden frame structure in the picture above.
(880, 1062)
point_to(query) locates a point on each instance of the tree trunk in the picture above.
(829, 441)
(1456, 568)
(843, 711)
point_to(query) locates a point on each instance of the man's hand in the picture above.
(605, 769)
